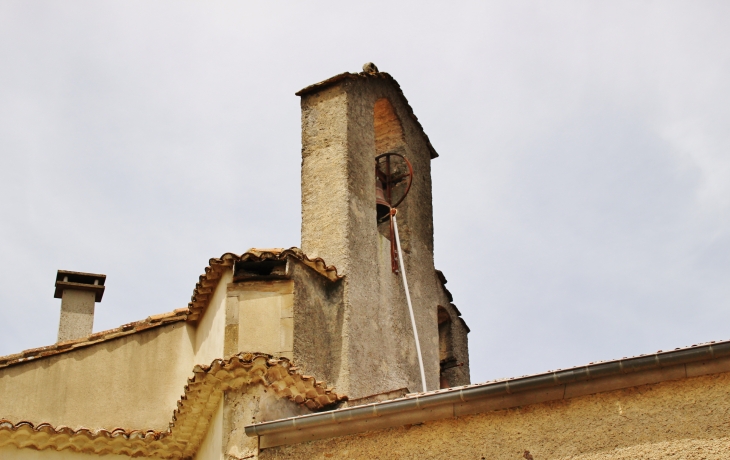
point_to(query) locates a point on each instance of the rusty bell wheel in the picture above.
(394, 173)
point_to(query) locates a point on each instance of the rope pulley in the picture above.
(393, 178)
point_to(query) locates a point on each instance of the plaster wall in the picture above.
(339, 224)
(262, 315)
(325, 193)
(132, 382)
(212, 446)
(209, 335)
(12, 453)
(457, 373)
(318, 324)
(682, 419)
(254, 403)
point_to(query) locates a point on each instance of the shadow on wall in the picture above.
(446, 348)
(272, 407)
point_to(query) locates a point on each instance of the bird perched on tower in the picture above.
(370, 68)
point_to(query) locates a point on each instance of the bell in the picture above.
(382, 207)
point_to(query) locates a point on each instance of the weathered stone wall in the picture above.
(325, 192)
(460, 373)
(457, 372)
(318, 320)
(253, 404)
(132, 382)
(682, 419)
(339, 224)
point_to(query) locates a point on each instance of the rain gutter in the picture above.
(563, 384)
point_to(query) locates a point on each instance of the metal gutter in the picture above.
(419, 404)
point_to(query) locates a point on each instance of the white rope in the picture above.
(410, 305)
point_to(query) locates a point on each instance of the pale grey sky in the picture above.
(582, 195)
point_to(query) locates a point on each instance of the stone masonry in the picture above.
(346, 122)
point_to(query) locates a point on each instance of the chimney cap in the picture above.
(79, 281)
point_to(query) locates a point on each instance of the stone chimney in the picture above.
(78, 293)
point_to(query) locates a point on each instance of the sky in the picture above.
(581, 195)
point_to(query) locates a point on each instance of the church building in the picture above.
(348, 347)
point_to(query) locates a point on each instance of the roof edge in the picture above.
(442, 280)
(364, 76)
(569, 383)
(208, 281)
(124, 330)
(327, 83)
(192, 417)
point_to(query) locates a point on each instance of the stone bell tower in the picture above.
(347, 121)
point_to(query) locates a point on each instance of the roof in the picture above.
(190, 420)
(201, 296)
(365, 76)
(69, 345)
(713, 357)
(201, 394)
(205, 287)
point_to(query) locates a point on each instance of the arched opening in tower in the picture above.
(446, 348)
(388, 128)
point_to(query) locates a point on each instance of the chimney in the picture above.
(78, 293)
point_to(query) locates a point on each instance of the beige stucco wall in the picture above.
(11, 453)
(683, 419)
(212, 446)
(260, 317)
(209, 335)
(132, 382)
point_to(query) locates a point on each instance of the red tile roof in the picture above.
(190, 420)
(69, 345)
(209, 280)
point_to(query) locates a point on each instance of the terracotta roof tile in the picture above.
(191, 418)
(213, 272)
(121, 331)
(362, 75)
